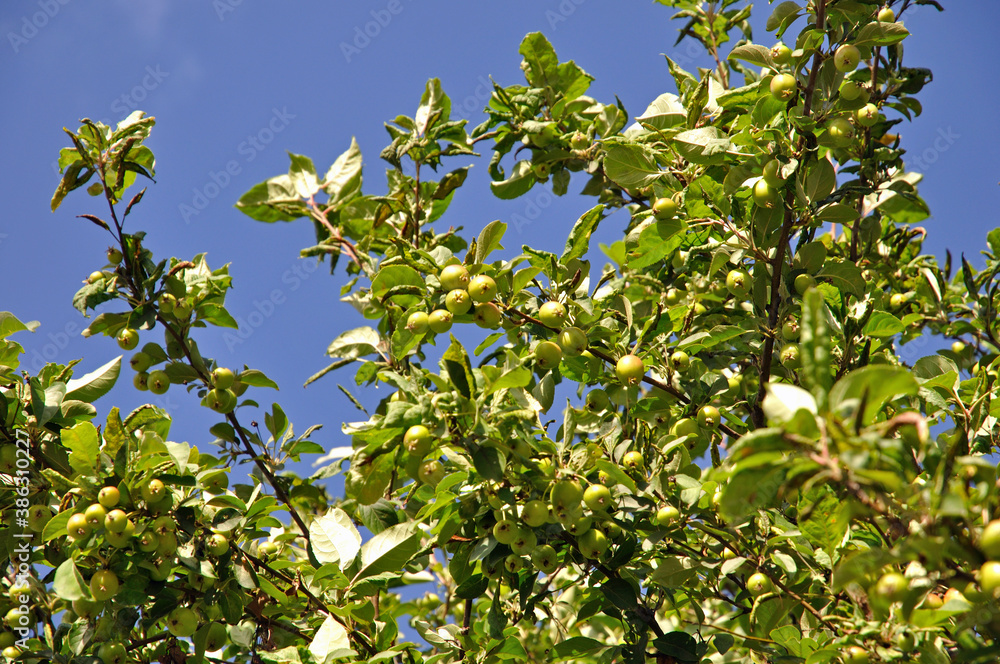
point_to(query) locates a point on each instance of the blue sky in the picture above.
(234, 84)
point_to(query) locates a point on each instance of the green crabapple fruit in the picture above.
(886, 15)
(141, 381)
(738, 283)
(38, 517)
(780, 53)
(221, 401)
(78, 528)
(158, 381)
(989, 541)
(104, 585)
(772, 174)
(488, 316)
(630, 369)
(548, 354)
(846, 58)
(783, 87)
(840, 131)
(182, 622)
(482, 289)
(552, 314)
(790, 357)
(128, 339)
(790, 329)
(109, 496)
(666, 515)
(597, 400)
(664, 208)
(545, 559)
(112, 653)
(679, 360)
(140, 362)
(593, 543)
(458, 302)
(989, 577)
(597, 497)
(431, 472)
(120, 540)
(116, 521)
(454, 277)
(758, 583)
(566, 495)
(418, 440)
(95, 516)
(95, 277)
(440, 321)
(633, 460)
(892, 587)
(803, 282)
(850, 90)
(867, 115)
(709, 417)
(524, 540)
(153, 491)
(417, 322)
(573, 341)
(856, 655)
(223, 378)
(114, 255)
(535, 513)
(764, 195)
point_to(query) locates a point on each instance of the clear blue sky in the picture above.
(218, 74)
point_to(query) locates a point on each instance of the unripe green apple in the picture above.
(783, 87)
(579, 141)
(182, 622)
(630, 369)
(38, 517)
(124, 538)
(593, 543)
(153, 491)
(764, 195)
(758, 583)
(664, 208)
(780, 53)
(790, 357)
(632, 460)
(115, 521)
(524, 540)
(846, 58)
(458, 302)
(87, 609)
(552, 314)
(548, 354)
(679, 360)
(148, 541)
(223, 378)
(958, 347)
(454, 277)
(112, 653)
(790, 329)
(840, 132)
(892, 587)
(989, 541)
(78, 528)
(115, 255)
(738, 283)
(109, 496)
(886, 15)
(104, 585)
(850, 90)
(803, 282)
(867, 115)
(598, 497)
(504, 531)
(482, 288)
(856, 655)
(431, 472)
(666, 516)
(541, 170)
(418, 440)
(566, 495)
(158, 381)
(709, 417)
(685, 426)
(545, 559)
(440, 321)
(674, 297)
(221, 401)
(95, 277)
(535, 513)
(128, 339)
(989, 577)
(597, 400)
(573, 341)
(175, 349)
(217, 637)
(417, 322)
(488, 316)
(140, 362)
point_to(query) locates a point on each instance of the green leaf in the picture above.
(782, 16)
(330, 641)
(393, 277)
(665, 112)
(456, 363)
(755, 54)
(391, 549)
(837, 213)
(578, 242)
(877, 384)
(68, 583)
(705, 145)
(355, 343)
(519, 377)
(95, 384)
(255, 378)
(521, 180)
(9, 324)
(272, 200)
(820, 181)
(574, 647)
(880, 33)
(630, 166)
(815, 373)
(343, 181)
(302, 174)
(824, 518)
(334, 539)
(83, 444)
(783, 401)
(435, 107)
(845, 275)
(489, 240)
(217, 315)
(882, 324)
(621, 593)
(678, 646)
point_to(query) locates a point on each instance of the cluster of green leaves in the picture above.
(751, 472)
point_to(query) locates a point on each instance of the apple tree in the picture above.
(702, 444)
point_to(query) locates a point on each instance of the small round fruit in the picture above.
(790, 357)
(78, 528)
(535, 513)
(504, 531)
(548, 354)
(114, 255)
(633, 460)
(664, 208)
(597, 401)
(418, 440)
(454, 277)
(128, 339)
(764, 195)
(567, 495)
(175, 349)
(458, 302)
(524, 541)
(417, 322)
(116, 521)
(223, 378)
(856, 655)
(897, 300)
(545, 559)
(892, 587)
(573, 341)
(666, 516)
(112, 653)
(958, 347)
(95, 516)
(431, 472)
(221, 401)
(886, 15)
(153, 491)
(552, 314)
(679, 360)
(783, 87)
(780, 53)
(989, 541)
(846, 58)
(709, 417)
(758, 584)
(850, 90)
(140, 362)
(593, 543)
(182, 622)
(840, 131)
(790, 329)
(124, 538)
(87, 609)
(440, 321)
(803, 282)
(579, 141)
(158, 381)
(989, 577)
(217, 637)
(103, 585)
(630, 369)
(38, 517)
(488, 316)
(541, 170)
(482, 288)
(867, 115)
(267, 548)
(141, 381)
(216, 482)
(148, 542)
(933, 601)
(109, 496)
(598, 497)
(167, 544)
(686, 426)
(95, 277)
(772, 174)
(738, 283)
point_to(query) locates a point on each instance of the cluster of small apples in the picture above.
(461, 294)
(225, 386)
(548, 146)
